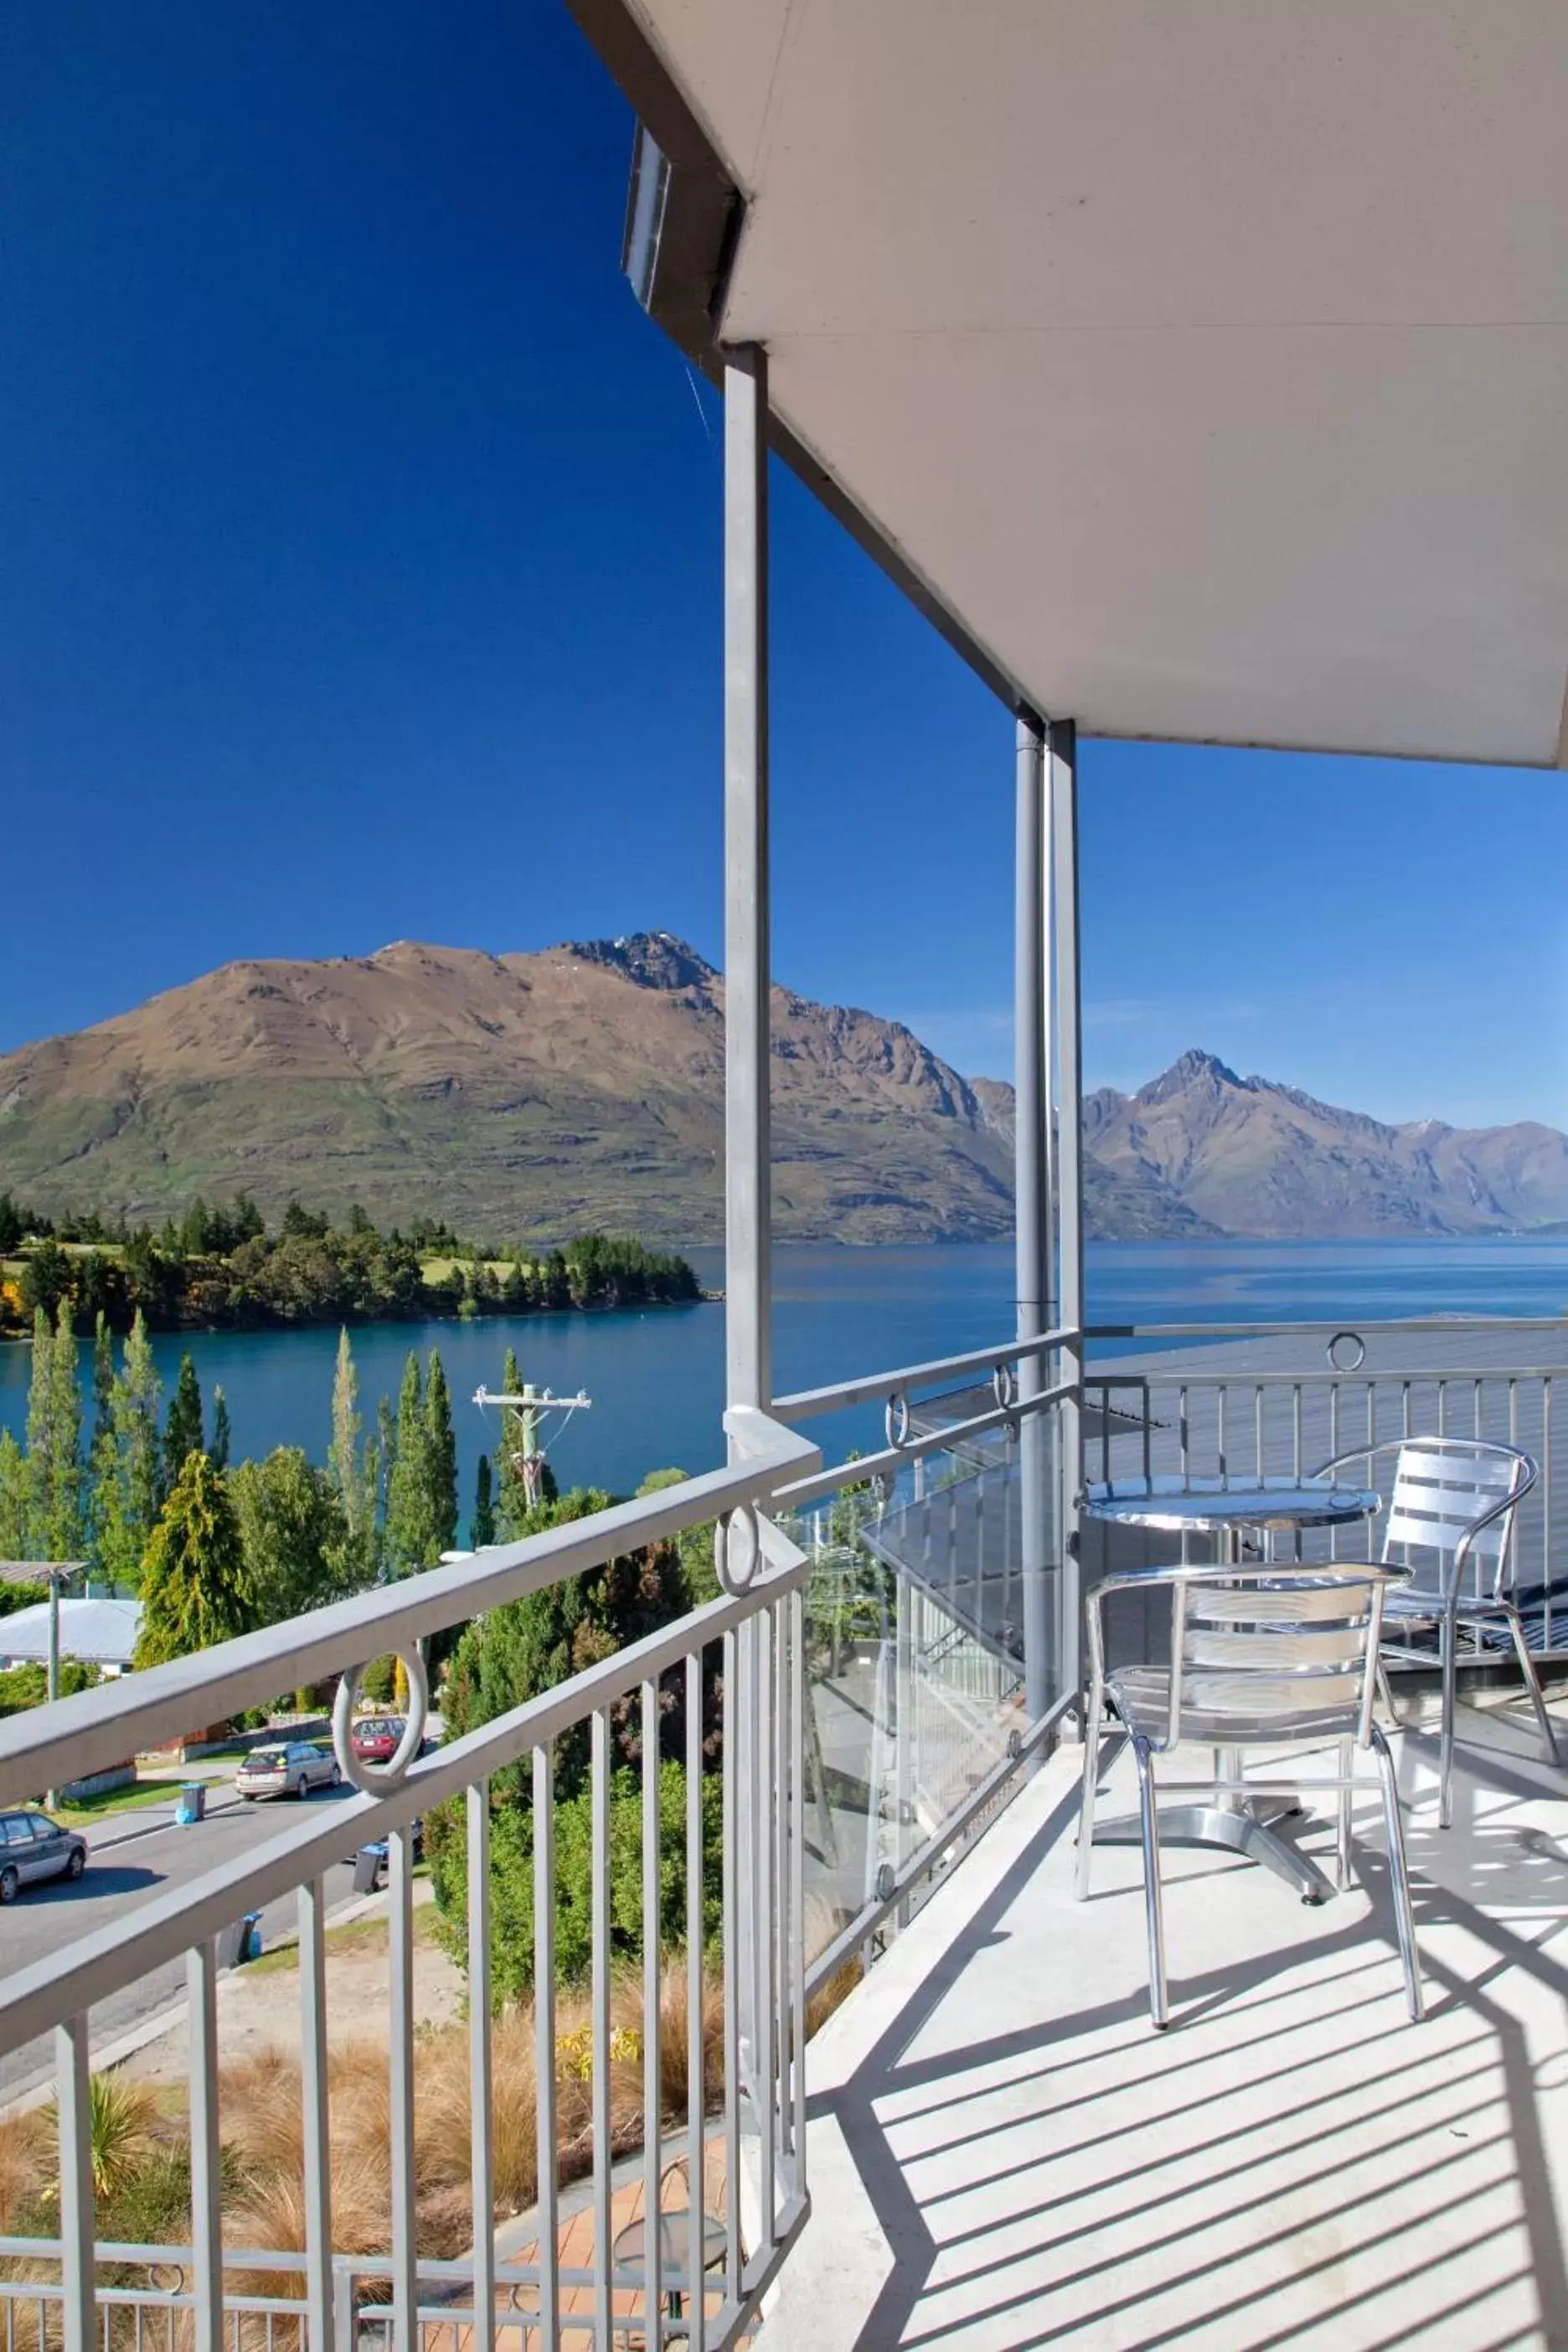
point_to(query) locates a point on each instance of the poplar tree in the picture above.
(511, 1498)
(102, 1378)
(184, 1434)
(194, 1587)
(40, 1479)
(223, 1435)
(16, 1498)
(482, 1519)
(53, 1442)
(353, 1469)
(130, 1466)
(409, 1530)
(440, 1460)
(64, 1516)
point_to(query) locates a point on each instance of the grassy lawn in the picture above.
(82, 1815)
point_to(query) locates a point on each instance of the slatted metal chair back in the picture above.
(1452, 1515)
(1276, 1651)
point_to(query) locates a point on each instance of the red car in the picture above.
(376, 1736)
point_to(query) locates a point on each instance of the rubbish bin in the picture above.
(192, 1803)
(238, 1942)
(367, 1869)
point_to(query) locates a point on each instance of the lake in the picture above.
(656, 1375)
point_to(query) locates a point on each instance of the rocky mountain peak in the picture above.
(649, 959)
(1194, 1068)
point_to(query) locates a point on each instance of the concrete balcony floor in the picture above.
(1002, 2152)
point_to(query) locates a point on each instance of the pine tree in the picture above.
(482, 1521)
(440, 1460)
(409, 1529)
(195, 1587)
(129, 1467)
(223, 1435)
(182, 1434)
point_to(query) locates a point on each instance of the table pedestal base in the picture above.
(1242, 1832)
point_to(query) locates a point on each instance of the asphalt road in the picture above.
(130, 1859)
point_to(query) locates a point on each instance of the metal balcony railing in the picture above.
(1205, 1419)
(781, 1804)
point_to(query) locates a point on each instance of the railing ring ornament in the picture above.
(1347, 1339)
(379, 1779)
(744, 1515)
(896, 1418)
(1003, 1385)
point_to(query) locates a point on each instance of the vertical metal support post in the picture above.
(1032, 1209)
(747, 1148)
(481, 2101)
(206, 2156)
(747, 1204)
(325, 2319)
(73, 2111)
(1069, 1057)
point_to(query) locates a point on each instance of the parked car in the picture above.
(376, 1738)
(380, 1848)
(292, 1768)
(32, 1847)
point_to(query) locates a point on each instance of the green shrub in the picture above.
(511, 1877)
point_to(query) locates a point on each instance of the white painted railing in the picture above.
(747, 2095)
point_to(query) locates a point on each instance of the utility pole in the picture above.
(529, 1409)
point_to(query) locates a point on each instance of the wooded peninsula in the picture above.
(218, 1268)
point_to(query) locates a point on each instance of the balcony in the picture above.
(895, 1875)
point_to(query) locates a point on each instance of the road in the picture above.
(130, 1859)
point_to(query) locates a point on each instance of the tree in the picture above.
(127, 1470)
(102, 1379)
(292, 1534)
(53, 1442)
(527, 1646)
(183, 1433)
(482, 1519)
(46, 1279)
(441, 1459)
(223, 1435)
(353, 1468)
(409, 1535)
(195, 1589)
(15, 1502)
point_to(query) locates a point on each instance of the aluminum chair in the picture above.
(1452, 1522)
(1261, 1656)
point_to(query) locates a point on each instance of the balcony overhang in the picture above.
(1203, 371)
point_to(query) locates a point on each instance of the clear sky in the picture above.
(359, 580)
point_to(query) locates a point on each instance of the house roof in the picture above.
(99, 1633)
(1203, 370)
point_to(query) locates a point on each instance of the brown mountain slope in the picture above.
(528, 1095)
(1258, 1157)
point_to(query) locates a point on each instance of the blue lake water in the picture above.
(656, 1377)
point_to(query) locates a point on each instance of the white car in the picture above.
(292, 1768)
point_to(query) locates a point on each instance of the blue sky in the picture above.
(359, 580)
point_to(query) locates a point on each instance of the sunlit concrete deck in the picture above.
(1004, 2153)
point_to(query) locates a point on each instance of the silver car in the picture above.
(32, 1847)
(292, 1768)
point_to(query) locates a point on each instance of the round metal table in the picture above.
(1228, 1509)
(628, 2249)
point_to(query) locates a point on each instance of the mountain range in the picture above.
(530, 1097)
